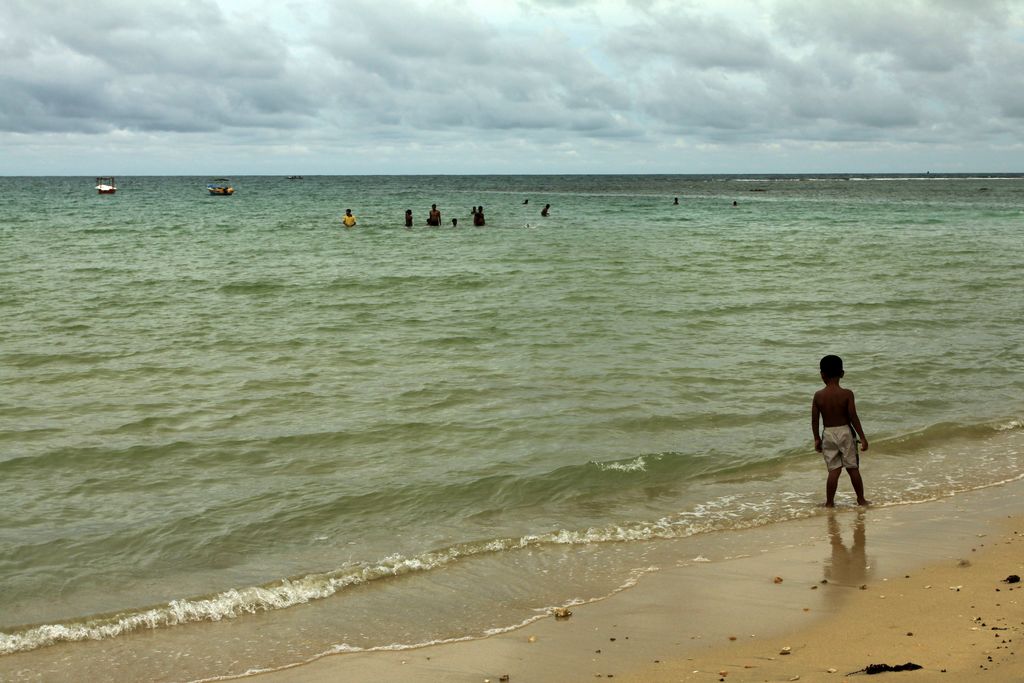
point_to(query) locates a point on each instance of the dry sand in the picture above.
(917, 583)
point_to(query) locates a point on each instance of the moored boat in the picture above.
(106, 185)
(220, 187)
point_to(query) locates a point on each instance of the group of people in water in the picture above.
(476, 215)
(434, 216)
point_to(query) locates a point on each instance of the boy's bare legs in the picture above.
(858, 484)
(831, 484)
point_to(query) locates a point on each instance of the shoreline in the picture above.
(873, 575)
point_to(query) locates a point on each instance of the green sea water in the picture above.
(227, 424)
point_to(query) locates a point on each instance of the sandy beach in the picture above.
(816, 599)
(956, 619)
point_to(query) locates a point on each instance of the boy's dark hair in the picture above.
(831, 366)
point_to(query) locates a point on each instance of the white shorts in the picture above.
(839, 447)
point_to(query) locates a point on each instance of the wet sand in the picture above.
(837, 592)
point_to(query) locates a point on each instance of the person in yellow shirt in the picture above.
(348, 219)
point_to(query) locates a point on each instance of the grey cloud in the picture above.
(1011, 103)
(816, 70)
(456, 71)
(914, 35)
(180, 68)
(692, 41)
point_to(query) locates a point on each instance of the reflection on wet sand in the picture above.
(847, 566)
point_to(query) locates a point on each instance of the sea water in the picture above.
(235, 435)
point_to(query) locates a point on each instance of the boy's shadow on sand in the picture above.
(847, 566)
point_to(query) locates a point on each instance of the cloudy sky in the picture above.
(132, 87)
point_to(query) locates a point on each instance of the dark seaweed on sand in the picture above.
(872, 669)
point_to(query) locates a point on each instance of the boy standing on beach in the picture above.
(837, 441)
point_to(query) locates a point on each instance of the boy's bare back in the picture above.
(835, 405)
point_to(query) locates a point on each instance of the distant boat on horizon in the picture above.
(220, 187)
(295, 177)
(106, 185)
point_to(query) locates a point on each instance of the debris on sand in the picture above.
(872, 669)
(1012, 578)
(561, 612)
